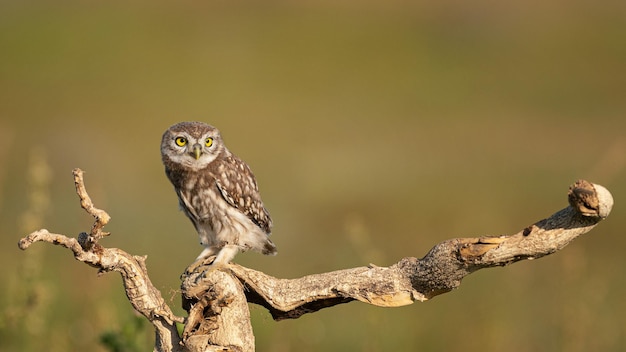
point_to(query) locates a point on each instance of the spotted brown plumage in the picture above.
(217, 191)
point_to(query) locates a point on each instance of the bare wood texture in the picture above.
(102, 217)
(218, 312)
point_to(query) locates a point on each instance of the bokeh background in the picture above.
(375, 129)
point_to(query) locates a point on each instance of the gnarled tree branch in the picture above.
(141, 293)
(216, 300)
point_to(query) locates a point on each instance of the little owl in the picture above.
(217, 191)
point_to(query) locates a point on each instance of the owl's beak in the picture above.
(197, 150)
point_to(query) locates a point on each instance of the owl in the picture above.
(217, 191)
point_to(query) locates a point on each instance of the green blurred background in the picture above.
(375, 131)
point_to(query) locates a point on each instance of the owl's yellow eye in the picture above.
(208, 142)
(180, 141)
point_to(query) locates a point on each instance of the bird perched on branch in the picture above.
(217, 191)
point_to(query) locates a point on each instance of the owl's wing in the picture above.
(238, 186)
(190, 211)
(176, 176)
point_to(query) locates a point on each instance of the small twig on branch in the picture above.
(101, 217)
(141, 293)
(440, 271)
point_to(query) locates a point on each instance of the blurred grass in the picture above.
(375, 131)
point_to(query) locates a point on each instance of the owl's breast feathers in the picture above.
(232, 178)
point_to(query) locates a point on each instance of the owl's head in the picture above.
(191, 144)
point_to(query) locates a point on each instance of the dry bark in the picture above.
(216, 300)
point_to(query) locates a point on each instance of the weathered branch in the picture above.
(440, 271)
(219, 318)
(141, 293)
(216, 300)
(102, 217)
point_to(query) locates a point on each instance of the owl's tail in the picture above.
(269, 248)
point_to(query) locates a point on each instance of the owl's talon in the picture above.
(213, 267)
(193, 267)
